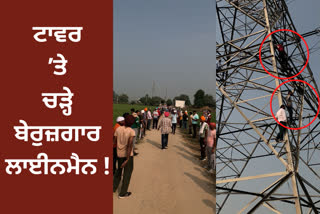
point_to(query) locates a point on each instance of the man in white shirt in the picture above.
(149, 118)
(282, 118)
(155, 116)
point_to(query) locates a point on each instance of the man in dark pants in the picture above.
(195, 120)
(185, 120)
(124, 138)
(282, 118)
(190, 122)
(283, 59)
(155, 116)
(203, 133)
(290, 107)
(164, 141)
(165, 125)
(174, 117)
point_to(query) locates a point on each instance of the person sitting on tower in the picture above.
(283, 58)
(236, 2)
(300, 88)
(290, 106)
(218, 65)
(281, 53)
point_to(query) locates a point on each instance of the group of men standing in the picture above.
(127, 130)
(207, 134)
(131, 127)
(193, 121)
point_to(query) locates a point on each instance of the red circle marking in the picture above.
(276, 32)
(313, 118)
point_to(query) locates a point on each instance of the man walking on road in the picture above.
(123, 137)
(174, 121)
(282, 118)
(165, 125)
(195, 120)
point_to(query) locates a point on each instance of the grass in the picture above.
(120, 109)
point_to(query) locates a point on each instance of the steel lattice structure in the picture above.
(256, 174)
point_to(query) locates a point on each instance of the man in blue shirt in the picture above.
(174, 121)
(195, 120)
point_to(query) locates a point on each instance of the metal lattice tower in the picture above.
(256, 174)
(153, 92)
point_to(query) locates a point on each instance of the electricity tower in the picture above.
(255, 173)
(153, 91)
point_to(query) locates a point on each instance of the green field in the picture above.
(120, 109)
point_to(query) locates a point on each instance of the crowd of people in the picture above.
(130, 127)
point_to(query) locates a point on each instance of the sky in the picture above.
(170, 42)
(305, 14)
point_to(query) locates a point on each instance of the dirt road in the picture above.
(171, 181)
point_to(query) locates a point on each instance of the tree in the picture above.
(169, 102)
(209, 101)
(115, 97)
(123, 98)
(145, 100)
(155, 101)
(183, 97)
(199, 98)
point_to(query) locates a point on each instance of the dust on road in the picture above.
(171, 181)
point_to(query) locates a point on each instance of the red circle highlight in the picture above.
(313, 118)
(276, 32)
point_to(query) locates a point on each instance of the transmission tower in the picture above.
(153, 92)
(255, 173)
